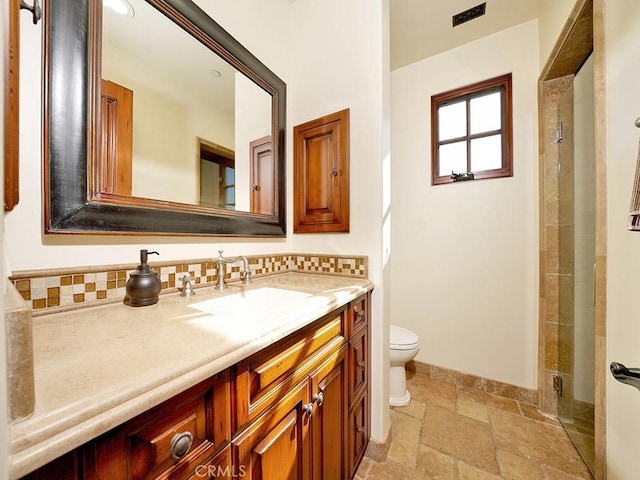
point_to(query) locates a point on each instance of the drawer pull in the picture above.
(361, 316)
(180, 445)
(361, 431)
(319, 398)
(362, 364)
(307, 408)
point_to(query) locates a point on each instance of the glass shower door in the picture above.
(576, 335)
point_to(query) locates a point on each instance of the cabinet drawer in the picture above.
(358, 433)
(267, 375)
(358, 315)
(358, 361)
(219, 467)
(169, 441)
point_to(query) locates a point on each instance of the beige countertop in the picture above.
(98, 367)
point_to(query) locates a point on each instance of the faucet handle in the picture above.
(187, 287)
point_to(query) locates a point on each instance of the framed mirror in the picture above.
(151, 124)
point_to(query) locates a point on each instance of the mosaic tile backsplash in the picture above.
(50, 291)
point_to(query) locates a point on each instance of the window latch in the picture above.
(461, 177)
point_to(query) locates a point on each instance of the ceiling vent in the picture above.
(470, 14)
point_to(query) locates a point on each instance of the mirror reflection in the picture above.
(179, 123)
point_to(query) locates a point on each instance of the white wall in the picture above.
(553, 16)
(622, 53)
(253, 121)
(337, 61)
(166, 123)
(464, 275)
(330, 54)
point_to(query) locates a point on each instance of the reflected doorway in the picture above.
(217, 176)
(263, 176)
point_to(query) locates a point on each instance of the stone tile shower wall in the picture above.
(557, 246)
(50, 291)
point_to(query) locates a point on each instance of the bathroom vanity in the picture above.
(198, 388)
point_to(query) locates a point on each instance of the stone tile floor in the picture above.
(449, 432)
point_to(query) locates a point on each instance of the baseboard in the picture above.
(378, 450)
(468, 380)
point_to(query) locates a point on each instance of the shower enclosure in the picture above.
(575, 383)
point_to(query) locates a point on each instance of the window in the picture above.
(471, 132)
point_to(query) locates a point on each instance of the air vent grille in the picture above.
(470, 14)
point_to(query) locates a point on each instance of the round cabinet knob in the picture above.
(319, 398)
(362, 364)
(307, 408)
(361, 316)
(180, 445)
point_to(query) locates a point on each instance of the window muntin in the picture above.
(471, 131)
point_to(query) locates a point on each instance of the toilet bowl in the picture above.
(404, 346)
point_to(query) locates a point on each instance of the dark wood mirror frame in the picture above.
(71, 101)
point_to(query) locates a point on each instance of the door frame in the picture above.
(584, 29)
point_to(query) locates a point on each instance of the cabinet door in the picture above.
(276, 446)
(358, 315)
(358, 433)
(358, 363)
(321, 174)
(219, 467)
(329, 419)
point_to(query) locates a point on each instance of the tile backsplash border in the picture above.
(57, 290)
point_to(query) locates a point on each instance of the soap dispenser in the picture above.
(143, 285)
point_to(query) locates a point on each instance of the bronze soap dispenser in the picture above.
(143, 285)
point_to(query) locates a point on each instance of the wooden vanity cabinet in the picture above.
(67, 467)
(297, 410)
(359, 418)
(292, 406)
(172, 440)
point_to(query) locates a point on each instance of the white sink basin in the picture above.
(251, 303)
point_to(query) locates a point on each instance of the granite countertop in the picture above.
(98, 367)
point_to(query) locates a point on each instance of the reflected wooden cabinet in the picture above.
(297, 410)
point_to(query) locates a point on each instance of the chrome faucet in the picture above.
(222, 261)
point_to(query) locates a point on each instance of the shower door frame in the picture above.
(582, 34)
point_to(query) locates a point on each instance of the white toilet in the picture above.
(404, 346)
